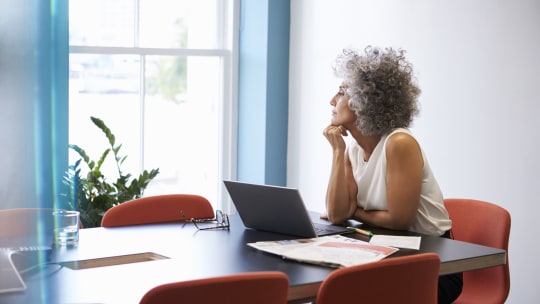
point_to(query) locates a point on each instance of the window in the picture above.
(158, 73)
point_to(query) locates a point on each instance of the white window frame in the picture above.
(228, 108)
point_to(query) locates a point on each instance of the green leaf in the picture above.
(102, 158)
(81, 153)
(100, 124)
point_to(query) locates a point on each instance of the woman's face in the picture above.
(342, 115)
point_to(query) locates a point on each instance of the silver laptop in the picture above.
(17, 256)
(24, 250)
(276, 209)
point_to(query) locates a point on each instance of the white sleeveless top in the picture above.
(431, 218)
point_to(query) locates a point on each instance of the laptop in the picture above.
(24, 248)
(276, 209)
(17, 254)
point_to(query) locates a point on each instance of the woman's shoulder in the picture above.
(400, 135)
(400, 139)
(400, 131)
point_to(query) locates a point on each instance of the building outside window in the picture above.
(160, 74)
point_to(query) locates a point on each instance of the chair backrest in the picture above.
(264, 287)
(25, 221)
(158, 209)
(27, 227)
(487, 224)
(407, 279)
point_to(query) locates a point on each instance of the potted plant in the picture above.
(94, 193)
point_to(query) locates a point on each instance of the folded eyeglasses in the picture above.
(221, 219)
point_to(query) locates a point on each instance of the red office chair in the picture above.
(485, 224)
(266, 287)
(407, 279)
(25, 221)
(158, 209)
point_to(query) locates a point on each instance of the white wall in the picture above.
(478, 65)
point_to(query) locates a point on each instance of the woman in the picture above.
(381, 176)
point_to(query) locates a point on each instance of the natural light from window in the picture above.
(155, 72)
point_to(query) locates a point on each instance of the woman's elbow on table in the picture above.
(337, 218)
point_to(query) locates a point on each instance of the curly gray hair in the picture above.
(381, 87)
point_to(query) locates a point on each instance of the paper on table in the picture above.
(335, 251)
(411, 242)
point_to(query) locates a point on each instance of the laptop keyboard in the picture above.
(27, 248)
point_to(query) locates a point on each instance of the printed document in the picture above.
(410, 242)
(333, 250)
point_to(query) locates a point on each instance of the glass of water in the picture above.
(66, 227)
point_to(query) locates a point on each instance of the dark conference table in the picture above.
(142, 257)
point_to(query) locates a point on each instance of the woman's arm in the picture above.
(341, 191)
(403, 184)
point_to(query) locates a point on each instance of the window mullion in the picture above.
(142, 83)
(136, 20)
(112, 50)
(142, 98)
